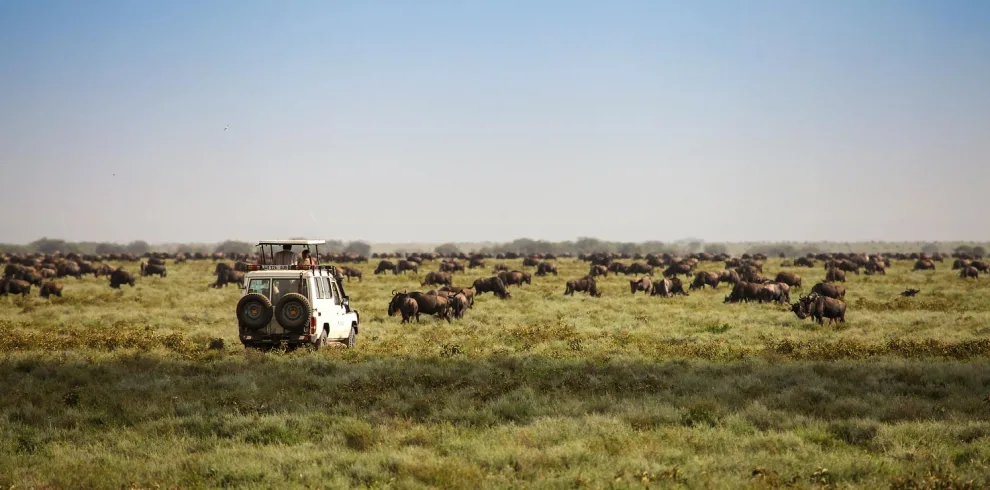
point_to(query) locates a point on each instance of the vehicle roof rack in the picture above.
(292, 242)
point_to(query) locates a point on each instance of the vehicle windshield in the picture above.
(260, 286)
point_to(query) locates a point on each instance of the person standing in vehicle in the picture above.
(286, 256)
(305, 262)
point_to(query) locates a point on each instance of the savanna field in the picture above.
(132, 388)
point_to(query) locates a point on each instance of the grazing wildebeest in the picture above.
(350, 272)
(546, 268)
(969, 272)
(791, 279)
(459, 305)
(598, 270)
(385, 266)
(437, 278)
(668, 286)
(499, 268)
(639, 268)
(492, 285)
(120, 277)
(702, 279)
(467, 292)
(9, 285)
(729, 276)
(820, 307)
(643, 284)
(515, 278)
(451, 266)
(835, 275)
(617, 268)
(152, 269)
(980, 265)
(429, 304)
(743, 291)
(924, 265)
(406, 265)
(677, 269)
(829, 289)
(585, 284)
(774, 292)
(51, 288)
(804, 262)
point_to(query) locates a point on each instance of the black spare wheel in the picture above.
(254, 311)
(293, 312)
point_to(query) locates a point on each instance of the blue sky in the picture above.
(467, 121)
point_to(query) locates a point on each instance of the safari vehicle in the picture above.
(292, 304)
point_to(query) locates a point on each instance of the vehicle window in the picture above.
(336, 293)
(326, 285)
(260, 286)
(320, 292)
(281, 287)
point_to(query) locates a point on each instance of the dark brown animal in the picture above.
(8, 285)
(639, 268)
(598, 270)
(643, 284)
(51, 288)
(835, 275)
(668, 286)
(791, 279)
(152, 269)
(429, 304)
(743, 291)
(830, 290)
(406, 265)
(677, 269)
(120, 277)
(492, 285)
(546, 268)
(386, 266)
(459, 305)
(924, 265)
(702, 279)
(729, 276)
(437, 278)
(969, 272)
(515, 278)
(585, 284)
(467, 292)
(819, 308)
(499, 268)
(350, 272)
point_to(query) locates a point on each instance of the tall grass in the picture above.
(150, 386)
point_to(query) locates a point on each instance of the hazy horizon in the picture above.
(729, 121)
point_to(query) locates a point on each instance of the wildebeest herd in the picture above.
(654, 275)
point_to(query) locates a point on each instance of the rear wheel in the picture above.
(352, 338)
(321, 341)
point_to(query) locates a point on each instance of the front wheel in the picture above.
(352, 339)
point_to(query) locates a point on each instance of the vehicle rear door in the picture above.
(339, 325)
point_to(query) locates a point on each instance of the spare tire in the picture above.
(254, 311)
(293, 312)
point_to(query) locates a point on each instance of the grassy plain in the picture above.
(110, 389)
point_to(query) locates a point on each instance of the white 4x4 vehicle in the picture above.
(287, 303)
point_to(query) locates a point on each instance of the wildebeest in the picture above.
(643, 284)
(51, 288)
(385, 266)
(152, 269)
(835, 275)
(476, 262)
(430, 304)
(229, 276)
(350, 272)
(68, 268)
(677, 269)
(451, 266)
(829, 289)
(819, 308)
(598, 270)
(791, 279)
(804, 262)
(924, 265)
(969, 272)
(459, 305)
(467, 292)
(437, 278)
(406, 265)
(743, 291)
(874, 267)
(491, 285)
(499, 268)
(120, 277)
(907, 293)
(639, 268)
(774, 292)
(546, 268)
(617, 268)
(585, 284)
(960, 264)
(9, 285)
(515, 278)
(729, 276)
(668, 286)
(702, 279)
(980, 265)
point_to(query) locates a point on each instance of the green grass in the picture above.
(106, 389)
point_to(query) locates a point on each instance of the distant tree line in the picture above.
(523, 246)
